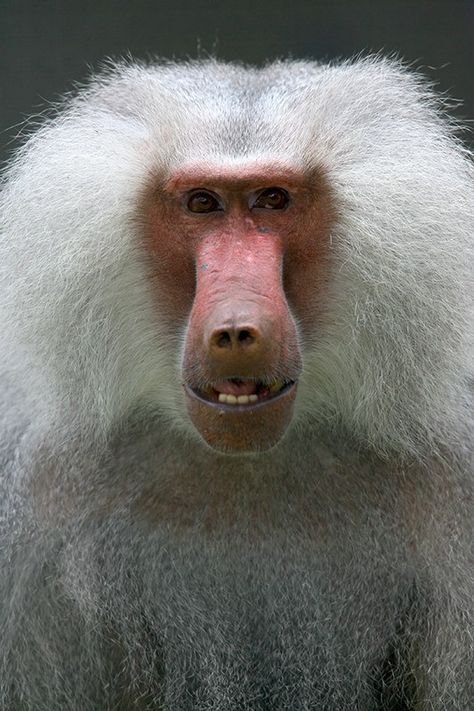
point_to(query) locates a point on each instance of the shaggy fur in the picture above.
(140, 569)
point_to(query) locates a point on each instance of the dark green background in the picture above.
(46, 45)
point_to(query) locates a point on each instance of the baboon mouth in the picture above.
(241, 395)
(252, 416)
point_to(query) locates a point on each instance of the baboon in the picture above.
(236, 375)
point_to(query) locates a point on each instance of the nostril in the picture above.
(229, 338)
(246, 337)
(222, 339)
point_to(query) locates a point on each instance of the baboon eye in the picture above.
(203, 201)
(272, 199)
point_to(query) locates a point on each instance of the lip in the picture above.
(248, 428)
(248, 407)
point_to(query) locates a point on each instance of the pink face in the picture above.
(241, 255)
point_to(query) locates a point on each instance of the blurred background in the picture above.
(46, 45)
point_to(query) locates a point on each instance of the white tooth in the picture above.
(242, 399)
(253, 398)
(231, 400)
(222, 397)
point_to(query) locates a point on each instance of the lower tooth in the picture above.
(237, 400)
(226, 399)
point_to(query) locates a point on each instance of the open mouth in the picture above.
(241, 394)
(241, 414)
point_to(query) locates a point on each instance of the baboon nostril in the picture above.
(246, 337)
(223, 339)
